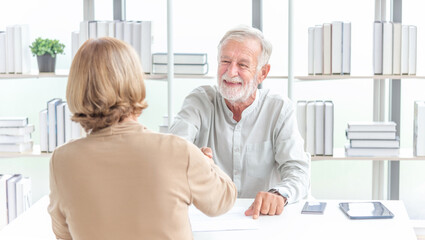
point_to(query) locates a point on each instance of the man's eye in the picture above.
(243, 65)
(225, 61)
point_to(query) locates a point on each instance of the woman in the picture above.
(123, 181)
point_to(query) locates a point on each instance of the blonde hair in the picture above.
(105, 84)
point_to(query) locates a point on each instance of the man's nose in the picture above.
(232, 70)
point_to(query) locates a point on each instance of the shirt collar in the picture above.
(119, 128)
(245, 112)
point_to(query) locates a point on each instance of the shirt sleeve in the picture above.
(212, 191)
(293, 161)
(59, 225)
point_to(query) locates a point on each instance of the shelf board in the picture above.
(339, 154)
(338, 77)
(58, 73)
(35, 153)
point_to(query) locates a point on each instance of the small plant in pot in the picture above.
(46, 51)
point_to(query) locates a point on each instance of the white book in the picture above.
(102, 28)
(16, 147)
(76, 130)
(301, 119)
(3, 200)
(163, 128)
(377, 47)
(136, 38)
(412, 49)
(10, 49)
(419, 129)
(387, 48)
(119, 29)
(371, 126)
(319, 128)
(27, 194)
(318, 50)
(19, 186)
(75, 43)
(22, 51)
(181, 69)
(11, 196)
(346, 48)
(84, 32)
(311, 51)
(44, 132)
(370, 135)
(52, 121)
(405, 50)
(327, 48)
(336, 47)
(375, 143)
(310, 127)
(92, 29)
(146, 50)
(128, 33)
(3, 52)
(60, 124)
(370, 152)
(396, 48)
(13, 121)
(15, 138)
(17, 130)
(68, 125)
(111, 29)
(329, 128)
(180, 58)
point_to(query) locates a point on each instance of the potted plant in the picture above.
(46, 51)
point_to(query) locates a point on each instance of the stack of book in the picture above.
(372, 139)
(56, 126)
(15, 134)
(15, 54)
(184, 63)
(419, 129)
(316, 125)
(394, 48)
(136, 33)
(15, 197)
(329, 49)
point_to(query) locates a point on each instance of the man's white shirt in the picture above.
(263, 150)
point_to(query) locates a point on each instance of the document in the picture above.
(235, 219)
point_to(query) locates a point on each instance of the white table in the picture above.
(35, 224)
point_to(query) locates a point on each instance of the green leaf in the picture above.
(46, 46)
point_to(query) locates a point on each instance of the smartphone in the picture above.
(314, 208)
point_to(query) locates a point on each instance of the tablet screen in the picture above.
(365, 210)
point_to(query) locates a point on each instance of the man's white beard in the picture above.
(237, 93)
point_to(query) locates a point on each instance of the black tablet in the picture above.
(365, 210)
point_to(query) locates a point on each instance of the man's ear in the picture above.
(264, 71)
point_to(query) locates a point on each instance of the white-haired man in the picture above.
(253, 135)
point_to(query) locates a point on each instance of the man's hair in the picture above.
(105, 84)
(244, 32)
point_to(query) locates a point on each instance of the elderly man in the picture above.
(253, 135)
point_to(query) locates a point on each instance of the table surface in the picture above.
(35, 224)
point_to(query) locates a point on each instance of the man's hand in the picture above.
(207, 151)
(266, 203)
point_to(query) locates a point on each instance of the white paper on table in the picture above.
(235, 219)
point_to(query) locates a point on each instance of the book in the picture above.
(44, 132)
(23, 195)
(10, 47)
(11, 196)
(412, 49)
(68, 124)
(84, 32)
(370, 135)
(22, 51)
(119, 29)
(301, 119)
(377, 48)
(3, 52)
(181, 69)
(371, 126)
(419, 129)
(311, 51)
(327, 48)
(387, 48)
(141, 40)
(3, 199)
(314, 208)
(319, 128)
(17, 130)
(16, 147)
(310, 127)
(128, 32)
(180, 58)
(370, 152)
(336, 47)
(405, 50)
(15, 138)
(13, 121)
(318, 49)
(375, 143)
(396, 48)
(92, 29)
(346, 48)
(329, 128)
(52, 123)
(102, 29)
(75, 43)
(60, 124)
(76, 130)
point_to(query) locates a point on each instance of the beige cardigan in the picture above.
(126, 182)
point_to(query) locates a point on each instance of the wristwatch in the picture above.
(275, 191)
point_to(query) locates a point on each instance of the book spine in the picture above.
(346, 48)
(44, 140)
(336, 47)
(412, 49)
(319, 128)
(397, 48)
(301, 118)
(318, 50)
(10, 56)
(377, 48)
(3, 52)
(387, 49)
(311, 51)
(327, 48)
(310, 127)
(405, 50)
(329, 128)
